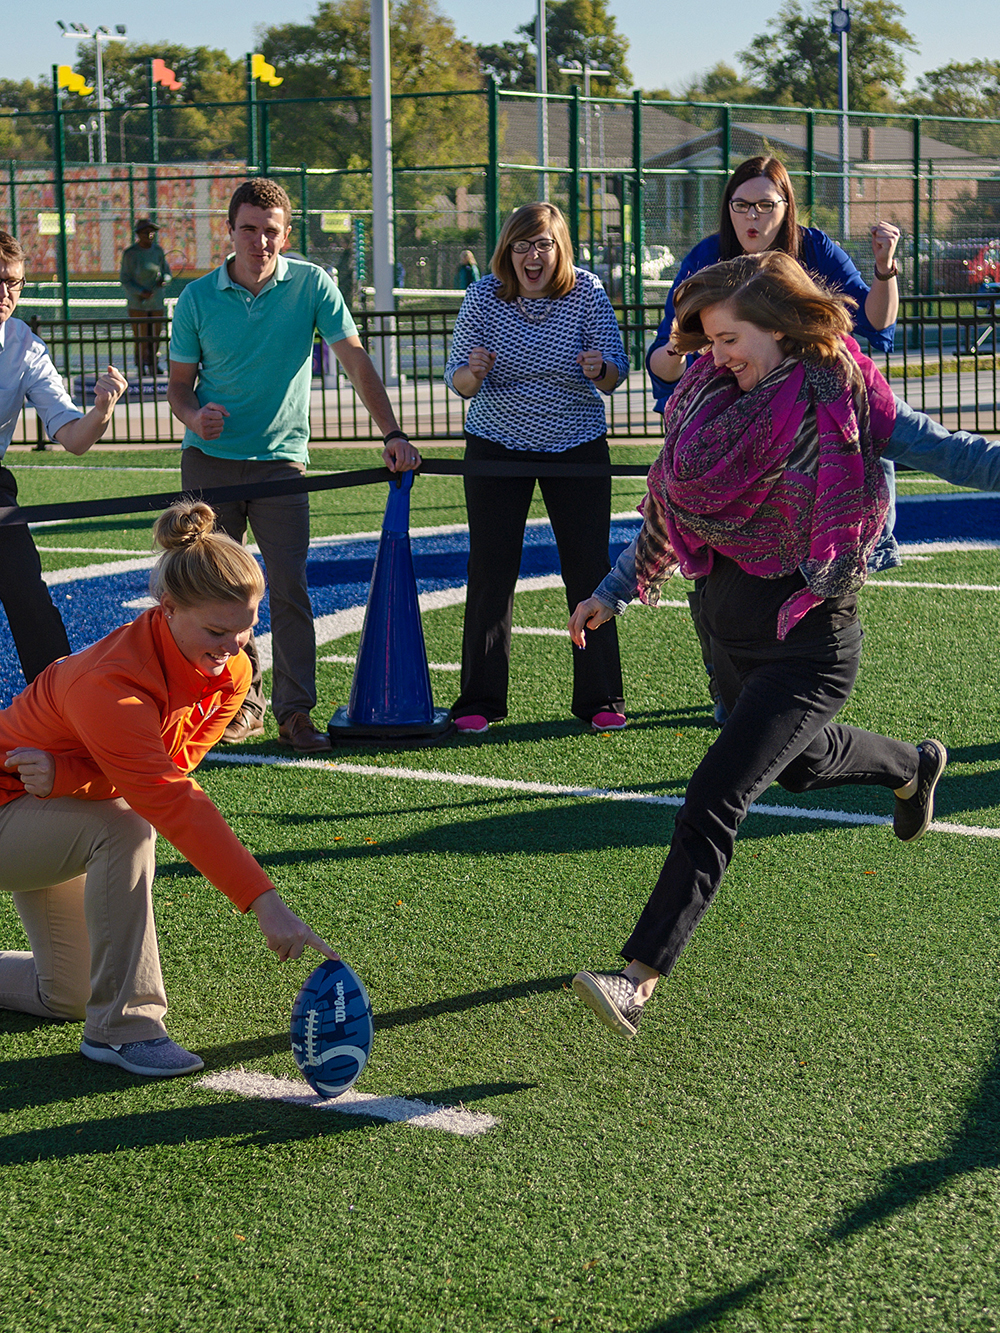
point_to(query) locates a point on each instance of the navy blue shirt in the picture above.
(819, 254)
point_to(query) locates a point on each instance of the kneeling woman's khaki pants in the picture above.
(81, 874)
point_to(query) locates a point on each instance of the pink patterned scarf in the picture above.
(784, 477)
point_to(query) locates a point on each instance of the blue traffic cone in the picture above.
(391, 693)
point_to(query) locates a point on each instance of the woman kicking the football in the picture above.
(96, 756)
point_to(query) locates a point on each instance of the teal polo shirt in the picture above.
(254, 355)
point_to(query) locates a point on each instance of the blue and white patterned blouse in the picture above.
(536, 396)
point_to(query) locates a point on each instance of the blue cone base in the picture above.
(343, 731)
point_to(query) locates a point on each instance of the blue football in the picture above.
(332, 1028)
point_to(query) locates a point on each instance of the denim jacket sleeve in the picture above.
(619, 587)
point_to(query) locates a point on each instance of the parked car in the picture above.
(961, 265)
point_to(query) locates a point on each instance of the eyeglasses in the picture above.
(13, 285)
(541, 247)
(760, 206)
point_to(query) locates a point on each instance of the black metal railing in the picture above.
(945, 362)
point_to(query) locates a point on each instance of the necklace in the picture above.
(530, 310)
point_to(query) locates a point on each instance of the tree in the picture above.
(575, 30)
(796, 61)
(971, 91)
(721, 83)
(329, 57)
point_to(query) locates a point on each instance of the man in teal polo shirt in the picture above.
(240, 376)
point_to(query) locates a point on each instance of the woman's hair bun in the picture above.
(183, 524)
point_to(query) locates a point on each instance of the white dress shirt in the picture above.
(27, 374)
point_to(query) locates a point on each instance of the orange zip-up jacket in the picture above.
(130, 717)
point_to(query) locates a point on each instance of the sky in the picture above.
(669, 42)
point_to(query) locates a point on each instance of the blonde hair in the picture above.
(775, 293)
(198, 563)
(526, 222)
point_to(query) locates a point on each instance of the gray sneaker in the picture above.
(611, 995)
(159, 1058)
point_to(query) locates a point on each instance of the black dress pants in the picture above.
(35, 624)
(579, 509)
(780, 728)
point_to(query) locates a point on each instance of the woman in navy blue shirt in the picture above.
(758, 214)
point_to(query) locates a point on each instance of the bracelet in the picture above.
(395, 435)
(604, 371)
(886, 277)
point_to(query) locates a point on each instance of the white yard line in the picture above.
(421, 1115)
(579, 793)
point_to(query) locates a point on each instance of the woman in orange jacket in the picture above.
(97, 756)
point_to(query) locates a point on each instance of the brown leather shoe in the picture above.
(245, 726)
(299, 732)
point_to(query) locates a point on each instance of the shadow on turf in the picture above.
(975, 1146)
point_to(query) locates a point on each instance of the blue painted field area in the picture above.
(339, 572)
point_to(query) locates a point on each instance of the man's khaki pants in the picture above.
(81, 874)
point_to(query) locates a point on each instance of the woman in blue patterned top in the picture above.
(536, 343)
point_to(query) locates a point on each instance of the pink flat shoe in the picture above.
(475, 725)
(608, 721)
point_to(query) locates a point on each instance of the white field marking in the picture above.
(946, 587)
(349, 660)
(140, 604)
(339, 624)
(946, 495)
(945, 548)
(95, 467)
(581, 793)
(77, 550)
(421, 1115)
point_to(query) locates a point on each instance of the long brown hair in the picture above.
(528, 221)
(789, 238)
(775, 293)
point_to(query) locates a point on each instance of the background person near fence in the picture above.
(534, 343)
(144, 275)
(27, 375)
(240, 375)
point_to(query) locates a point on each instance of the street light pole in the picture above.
(542, 88)
(840, 26)
(79, 32)
(586, 69)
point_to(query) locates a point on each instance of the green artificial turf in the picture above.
(804, 1135)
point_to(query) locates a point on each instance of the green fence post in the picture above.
(574, 172)
(265, 138)
(915, 274)
(930, 225)
(251, 117)
(492, 167)
(131, 199)
(638, 230)
(154, 139)
(304, 196)
(727, 138)
(13, 197)
(59, 136)
(811, 165)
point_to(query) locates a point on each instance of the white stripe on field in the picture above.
(349, 659)
(946, 587)
(421, 1115)
(583, 793)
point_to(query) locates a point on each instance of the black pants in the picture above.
(579, 509)
(35, 624)
(780, 727)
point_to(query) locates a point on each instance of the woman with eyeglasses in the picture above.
(758, 214)
(536, 344)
